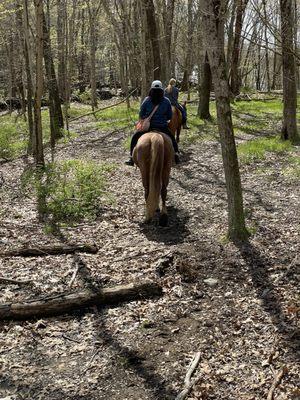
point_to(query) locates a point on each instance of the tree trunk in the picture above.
(230, 37)
(146, 56)
(213, 29)
(258, 65)
(235, 61)
(61, 22)
(153, 36)
(289, 126)
(28, 67)
(189, 47)
(267, 46)
(56, 116)
(203, 107)
(168, 16)
(92, 20)
(39, 152)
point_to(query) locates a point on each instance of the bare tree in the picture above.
(55, 112)
(235, 61)
(213, 30)
(289, 127)
(205, 88)
(39, 152)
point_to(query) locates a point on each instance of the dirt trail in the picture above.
(234, 305)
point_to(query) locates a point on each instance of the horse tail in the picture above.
(155, 174)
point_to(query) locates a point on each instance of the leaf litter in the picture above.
(234, 305)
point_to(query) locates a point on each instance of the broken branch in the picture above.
(276, 382)
(14, 281)
(188, 384)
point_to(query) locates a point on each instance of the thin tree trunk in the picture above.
(289, 126)
(31, 141)
(92, 20)
(146, 65)
(230, 37)
(235, 62)
(203, 107)
(168, 16)
(213, 29)
(189, 47)
(267, 46)
(61, 17)
(154, 39)
(39, 152)
(56, 116)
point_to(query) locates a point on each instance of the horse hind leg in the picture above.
(145, 180)
(163, 218)
(178, 134)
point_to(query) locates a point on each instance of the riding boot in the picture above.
(130, 162)
(133, 143)
(177, 159)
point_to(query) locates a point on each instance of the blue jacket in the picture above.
(162, 115)
(173, 96)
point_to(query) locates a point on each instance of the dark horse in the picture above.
(176, 121)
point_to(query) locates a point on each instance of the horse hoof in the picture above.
(163, 220)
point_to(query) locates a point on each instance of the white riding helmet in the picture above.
(157, 85)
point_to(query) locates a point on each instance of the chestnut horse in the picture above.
(176, 121)
(154, 155)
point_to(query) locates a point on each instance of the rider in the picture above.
(171, 92)
(159, 120)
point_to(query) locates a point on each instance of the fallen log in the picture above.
(50, 250)
(64, 303)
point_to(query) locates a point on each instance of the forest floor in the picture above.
(236, 305)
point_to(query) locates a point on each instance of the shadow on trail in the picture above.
(258, 266)
(210, 182)
(127, 358)
(174, 233)
(131, 359)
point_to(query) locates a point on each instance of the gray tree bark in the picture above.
(206, 83)
(289, 126)
(213, 30)
(39, 151)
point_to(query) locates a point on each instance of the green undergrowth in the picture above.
(257, 149)
(76, 110)
(69, 191)
(292, 170)
(13, 137)
(14, 134)
(257, 117)
(199, 129)
(119, 117)
(115, 118)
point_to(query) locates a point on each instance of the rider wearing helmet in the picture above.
(171, 92)
(159, 120)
